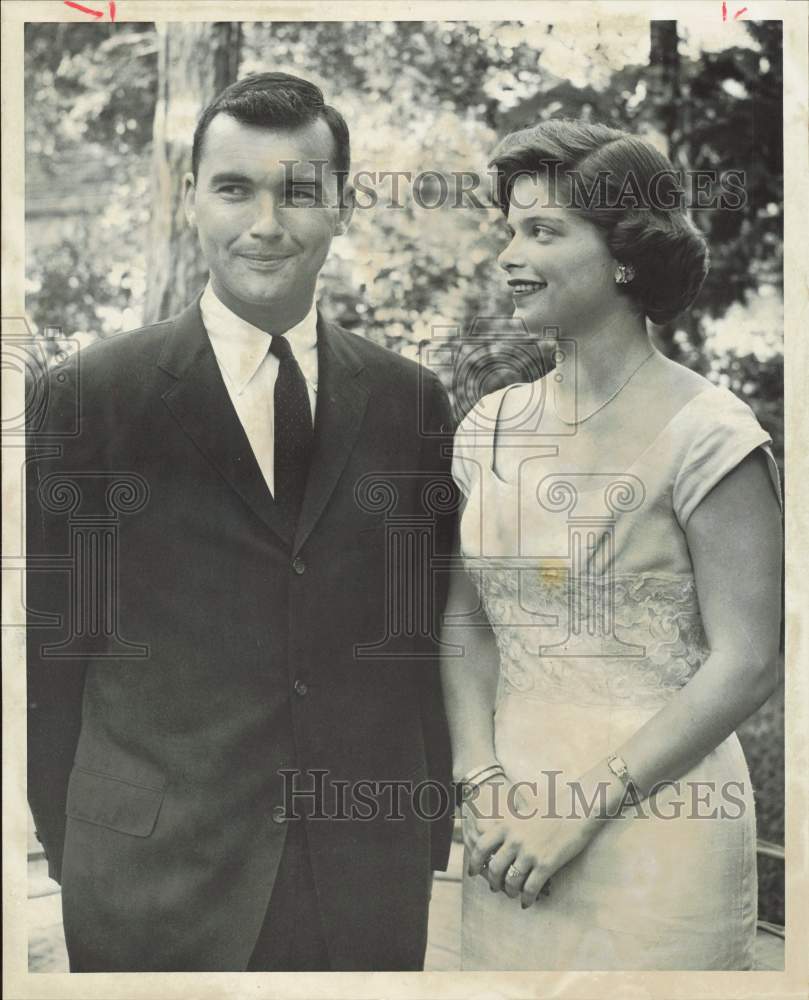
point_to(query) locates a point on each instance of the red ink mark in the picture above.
(84, 10)
(111, 6)
(742, 10)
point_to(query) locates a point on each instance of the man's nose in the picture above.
(267, 221)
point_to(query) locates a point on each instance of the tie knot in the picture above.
(279, 346)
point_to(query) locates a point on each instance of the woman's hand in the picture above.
(536, 845)
(483, 811)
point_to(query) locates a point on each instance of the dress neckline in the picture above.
(503, 484)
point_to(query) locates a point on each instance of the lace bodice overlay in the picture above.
(639, 639)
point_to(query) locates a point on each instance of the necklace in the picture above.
(609, 399)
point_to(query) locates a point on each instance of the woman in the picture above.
(622, 530)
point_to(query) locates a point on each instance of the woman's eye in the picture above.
(542, 231)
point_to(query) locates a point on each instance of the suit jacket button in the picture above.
(299, 565)
(279, 815)
(301, 687)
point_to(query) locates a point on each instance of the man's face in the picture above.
(265, 229)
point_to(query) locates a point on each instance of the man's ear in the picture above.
(348, 203)
(189, 200)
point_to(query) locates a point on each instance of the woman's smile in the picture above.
(522, 289)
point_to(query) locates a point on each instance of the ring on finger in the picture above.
(514, 872)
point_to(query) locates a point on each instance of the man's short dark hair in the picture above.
(279, 101)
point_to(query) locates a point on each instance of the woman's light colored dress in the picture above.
(588, 585)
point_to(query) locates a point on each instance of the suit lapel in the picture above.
(201, 405)
(341, 401)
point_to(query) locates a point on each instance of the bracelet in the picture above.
(477, 773)
(618, 767)
(473, 779)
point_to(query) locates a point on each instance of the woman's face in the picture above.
(558, 267)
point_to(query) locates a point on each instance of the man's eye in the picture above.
(542, 231)
(303, 195)
(232, 190)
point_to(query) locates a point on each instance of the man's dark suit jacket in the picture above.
(153, 779)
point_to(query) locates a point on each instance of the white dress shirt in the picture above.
(249, 371)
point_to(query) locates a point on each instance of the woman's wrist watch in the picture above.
(617, 766)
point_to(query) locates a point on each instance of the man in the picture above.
(221, 673)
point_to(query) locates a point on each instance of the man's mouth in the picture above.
(265, 262)
(521, 289)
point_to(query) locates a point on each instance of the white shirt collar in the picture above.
(240, 347)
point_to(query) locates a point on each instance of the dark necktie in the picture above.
(293, 435)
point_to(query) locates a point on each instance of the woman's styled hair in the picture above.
(626, 188)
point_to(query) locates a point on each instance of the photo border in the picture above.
(18, 982)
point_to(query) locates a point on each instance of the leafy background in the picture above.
(430, 96)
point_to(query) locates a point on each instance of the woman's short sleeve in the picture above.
(472, 445)
(464, 468)
(724, 431)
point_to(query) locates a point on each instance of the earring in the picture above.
(624, 273)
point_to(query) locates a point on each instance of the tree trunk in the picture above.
(195, 62)
(673, 93)
(664, 79)
(665, 92)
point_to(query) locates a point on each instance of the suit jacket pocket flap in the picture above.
(113, 803)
